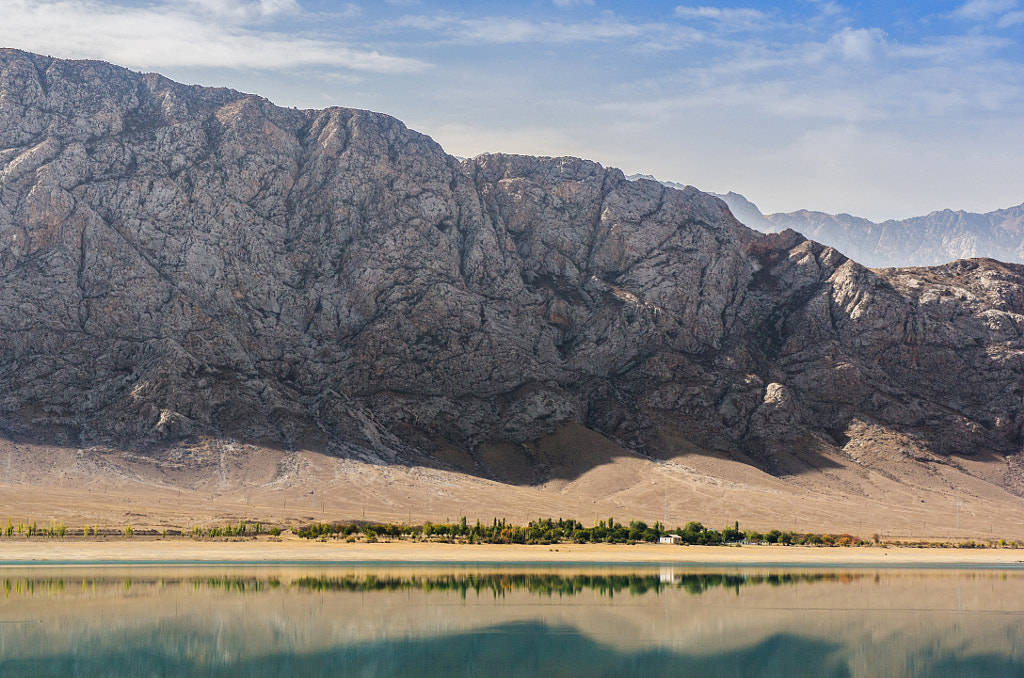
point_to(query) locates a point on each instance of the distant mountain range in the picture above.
(930, 240)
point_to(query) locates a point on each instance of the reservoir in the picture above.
(508, 620)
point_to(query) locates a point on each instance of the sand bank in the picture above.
(296, 550)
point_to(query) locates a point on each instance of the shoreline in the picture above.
(300, 551)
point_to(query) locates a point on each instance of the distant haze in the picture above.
(928, 240)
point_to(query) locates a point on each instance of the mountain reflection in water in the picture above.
(319, 621)
(519, 649)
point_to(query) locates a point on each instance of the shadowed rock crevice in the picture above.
(180, 262)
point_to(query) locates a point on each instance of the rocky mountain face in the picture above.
(935, 239)
(179, 263)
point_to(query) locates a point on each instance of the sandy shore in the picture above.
(296, 550)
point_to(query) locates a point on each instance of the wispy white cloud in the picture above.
(980, 10)
(859, 44)
(726, 20)
(1011, 19)
(855, 76)
(720, 14)
(572, 3)
(206, 33)
(776, 99)
(509, 30)
(245, 10)
(828, 7)
(950, 50)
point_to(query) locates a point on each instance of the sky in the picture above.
(878, 109)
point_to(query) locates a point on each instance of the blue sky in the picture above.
(862, 107)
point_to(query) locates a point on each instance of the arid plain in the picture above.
(223, 483)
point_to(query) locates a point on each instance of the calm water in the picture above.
(508, 621)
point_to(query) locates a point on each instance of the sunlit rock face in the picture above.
(180, 262)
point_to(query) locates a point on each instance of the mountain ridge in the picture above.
(181, 265)
(933, 239)
(929, 240)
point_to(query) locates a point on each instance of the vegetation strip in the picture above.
(544, 531)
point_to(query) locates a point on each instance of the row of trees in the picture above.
(30, 529)
(541, 531)
(242, 529)
(551, 531)
(60, 530)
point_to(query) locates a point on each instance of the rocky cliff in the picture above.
(179, 263)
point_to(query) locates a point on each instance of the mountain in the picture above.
(934, 239)
(185, 269)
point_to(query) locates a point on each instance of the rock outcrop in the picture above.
(179, 262)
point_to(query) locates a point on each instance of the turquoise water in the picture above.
(283, 620)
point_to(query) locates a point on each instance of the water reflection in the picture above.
(545, 584)
(264, 621)
(517, 649)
